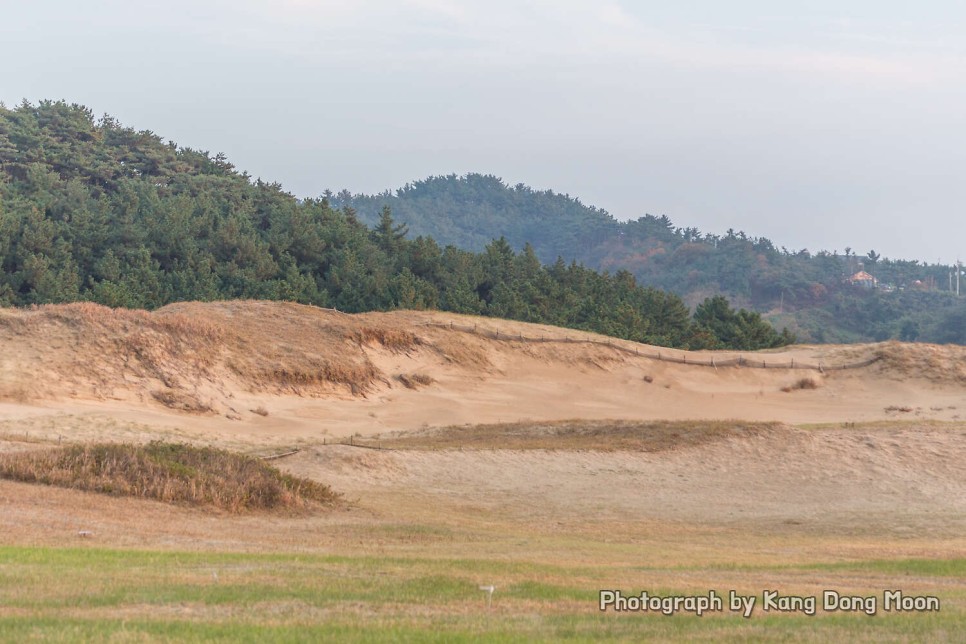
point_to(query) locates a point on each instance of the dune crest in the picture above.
(306, 369)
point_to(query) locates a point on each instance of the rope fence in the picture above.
(663, 356)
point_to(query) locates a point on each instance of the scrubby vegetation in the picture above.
(802, 383)
(93, 211)
(174, 473)
(415, 380)
(599, 435)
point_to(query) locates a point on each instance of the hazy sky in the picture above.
(817, 124)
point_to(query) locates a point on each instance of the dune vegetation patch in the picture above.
(605, 435)
(170, 472)
(415, 380)
(939, 363)
(394, 339)
(182, 401)
(802, 384)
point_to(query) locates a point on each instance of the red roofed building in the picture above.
(863, 279)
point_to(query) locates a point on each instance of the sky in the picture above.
(820, 125)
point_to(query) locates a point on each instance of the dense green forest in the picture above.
(807, 292)
(91, 210)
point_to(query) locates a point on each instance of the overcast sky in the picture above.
(816, 124)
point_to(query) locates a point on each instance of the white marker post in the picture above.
(489, 594)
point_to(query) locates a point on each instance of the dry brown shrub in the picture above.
(356, 376)
(261, 411)
(802, 383)
(173, 473)
(415, 380)
(182, 401)
(393, 339)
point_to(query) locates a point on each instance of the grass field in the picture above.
(116, 595)
(422, 530)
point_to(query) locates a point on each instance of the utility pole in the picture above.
(959, 269)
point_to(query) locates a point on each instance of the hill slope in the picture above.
(805, 291)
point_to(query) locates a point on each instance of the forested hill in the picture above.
(92, 210)
(471, 211)
(806, 291)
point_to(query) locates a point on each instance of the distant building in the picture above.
(863, 279)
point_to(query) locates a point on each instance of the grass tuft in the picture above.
(182, 401)
(392, 339)
(415, 380)
(603, 435)
(170, 472)
(802, 383)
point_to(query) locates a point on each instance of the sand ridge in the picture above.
(280, 370)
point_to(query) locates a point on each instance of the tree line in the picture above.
(94, 211)
(806, 291)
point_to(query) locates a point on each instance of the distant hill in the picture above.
(94, 211)
(808, 292)
(471, 211)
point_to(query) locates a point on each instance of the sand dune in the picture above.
(876, 450)
(281, 372)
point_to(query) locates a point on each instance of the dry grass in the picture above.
(311, 375)
(14, 392)
(265, 347)
(415, 380)
(182, 401)
(802, 383)
(393, 339)
(941, 363)
(653, 436)
(169, 472)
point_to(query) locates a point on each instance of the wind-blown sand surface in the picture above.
(207, 368)
(877, 451)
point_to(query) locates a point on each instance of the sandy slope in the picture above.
(206, 369)
(870, 481)
(265, 376)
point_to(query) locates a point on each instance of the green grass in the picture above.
(899, 567)
(51, 594)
